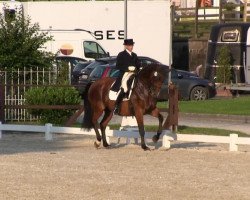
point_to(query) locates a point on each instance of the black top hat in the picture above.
(128, 42)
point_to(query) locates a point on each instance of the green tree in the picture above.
(21, 43)
(224, 62)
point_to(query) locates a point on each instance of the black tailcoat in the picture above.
(124, 60)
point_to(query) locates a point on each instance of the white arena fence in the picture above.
(49, 129)
(167, 136)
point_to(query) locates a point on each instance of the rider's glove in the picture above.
(131, 68)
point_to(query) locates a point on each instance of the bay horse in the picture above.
(142, 101)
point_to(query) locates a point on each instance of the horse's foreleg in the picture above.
(156, 113)
(139, 119)
(106, 118)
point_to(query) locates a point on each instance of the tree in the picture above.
(224, 62)
(21, 43)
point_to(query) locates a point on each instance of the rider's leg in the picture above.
(118, 101)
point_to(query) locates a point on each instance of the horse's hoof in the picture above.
(97, 144)
(107, 146)
(155, 138)
(146, 148)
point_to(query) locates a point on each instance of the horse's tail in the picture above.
(87, 118)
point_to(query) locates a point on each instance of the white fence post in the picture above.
(167, 136)
(129, 122)
(165, 140)
(48, 134)
(107, 137)
(0, 130)
(233, 146)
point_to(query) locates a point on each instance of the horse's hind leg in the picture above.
(96, 116)
(105, 120)
(156, 113)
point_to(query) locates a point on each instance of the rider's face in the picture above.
(129, 47)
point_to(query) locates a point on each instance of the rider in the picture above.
(126, 61)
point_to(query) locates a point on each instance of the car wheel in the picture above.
(198, 93)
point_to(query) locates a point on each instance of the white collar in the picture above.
(130, 53)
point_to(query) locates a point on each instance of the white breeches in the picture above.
(125, 78)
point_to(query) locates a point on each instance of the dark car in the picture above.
(98, 62)
(102, 68)
(69, 59)
(190, 86)
(77, 71)
(97, 73)
(76, 64)
(84, 71)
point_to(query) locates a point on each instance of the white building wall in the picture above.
(148, 23)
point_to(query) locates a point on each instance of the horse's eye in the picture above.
(155, 73)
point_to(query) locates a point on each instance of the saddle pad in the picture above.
(113, 96)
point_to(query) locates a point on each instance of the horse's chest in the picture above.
(149, 104)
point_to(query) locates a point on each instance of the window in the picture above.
(93, 50)
(230, 36)
(145, 62)
(98, 71)
(101, 52)
(9, 14)
(114, 73)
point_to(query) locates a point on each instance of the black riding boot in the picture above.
(118, 102)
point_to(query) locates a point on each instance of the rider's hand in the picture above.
(131, 68)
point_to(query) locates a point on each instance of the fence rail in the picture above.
(233, 140)
(196, 21)
(14, 84)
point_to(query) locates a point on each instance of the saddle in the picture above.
(127, 86)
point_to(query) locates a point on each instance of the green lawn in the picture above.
(232, 106)
(191, 130)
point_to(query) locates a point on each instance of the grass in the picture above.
(232, 106)
(191, 130)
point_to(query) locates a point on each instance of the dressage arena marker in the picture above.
(233, 140)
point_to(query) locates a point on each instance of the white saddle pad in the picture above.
(113, 96)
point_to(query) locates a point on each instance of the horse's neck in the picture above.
(145, 83)
(142, 88)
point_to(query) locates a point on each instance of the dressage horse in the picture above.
(142, 101)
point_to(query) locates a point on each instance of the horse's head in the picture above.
(152, 77)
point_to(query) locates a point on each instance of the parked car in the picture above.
(104, 67)
(70, 59)
(190, 86)
(98, 62)
(98, 72)
(76, 73)
(75, 64)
